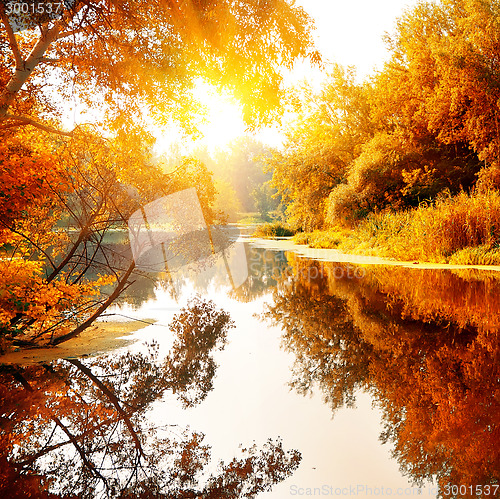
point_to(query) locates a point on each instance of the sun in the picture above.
(222, 121)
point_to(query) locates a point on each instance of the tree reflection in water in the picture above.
(80, 429)
(424, 343)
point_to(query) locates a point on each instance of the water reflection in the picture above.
(262, 270)
(79, 428)
(423, 343)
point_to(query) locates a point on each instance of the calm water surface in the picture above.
(324, 379)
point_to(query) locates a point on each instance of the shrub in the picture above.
(481, 255)
(275, 229)
(344, 205)
(302, 238)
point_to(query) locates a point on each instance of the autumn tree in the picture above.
(63, 192)
(434, 107)
(327, 134)
(56, 258)
(149, 55)
(428, 122)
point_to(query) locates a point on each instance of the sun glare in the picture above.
(219, 124)
(223, 120)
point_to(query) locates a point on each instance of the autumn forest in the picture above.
(402, 164)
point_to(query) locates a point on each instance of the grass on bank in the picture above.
(274, 229)
(460, 230)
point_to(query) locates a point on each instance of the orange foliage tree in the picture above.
(62, 192)
(327, 134)
(148, 54)
(427, 123)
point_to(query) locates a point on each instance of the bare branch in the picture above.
(49, 60)
(122, 283)
(112, 398)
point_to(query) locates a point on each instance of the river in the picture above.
(318, 378)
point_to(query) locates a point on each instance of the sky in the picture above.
(351, 33)
(347, 32)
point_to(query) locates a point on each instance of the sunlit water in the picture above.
(378, 376)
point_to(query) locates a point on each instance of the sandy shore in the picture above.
(100, 338)
(333, 255)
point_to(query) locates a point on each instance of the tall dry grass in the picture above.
(464, 229)
(274, 229)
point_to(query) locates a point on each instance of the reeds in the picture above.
(275, 229)
(464, 229)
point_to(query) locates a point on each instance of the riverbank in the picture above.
(334, 255)
(98, 339)
(459, 230)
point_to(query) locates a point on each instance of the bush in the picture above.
(435, 232)
(302, 238)
(481, 255)
(344, 205)
(275, 229)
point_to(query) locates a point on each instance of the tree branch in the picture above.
(24, 120)
(112, 297)
(23, 72)
(71, 33)
(88, 464)
(112, 398)
(49, 60)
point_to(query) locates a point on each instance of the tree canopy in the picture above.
(142, 56)
(426, 123)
